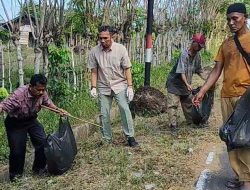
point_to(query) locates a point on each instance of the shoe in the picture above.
(234, 183)
(132, 142)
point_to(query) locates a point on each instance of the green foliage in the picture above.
(4, 36)
(82, 19)
(59, 57)
(175, 55)
(137, 74)
(4, 150)
(207, 27)
(59, 67)
(3, 93)
(159, 75)
(140, 16)
(206, 57)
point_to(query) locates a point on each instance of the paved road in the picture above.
(216, 179)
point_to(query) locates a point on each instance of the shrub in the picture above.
(59, 68)
(3, 93)
(137, 74)
(175, 56)
(206, 57)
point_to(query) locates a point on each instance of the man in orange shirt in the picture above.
(235, 82)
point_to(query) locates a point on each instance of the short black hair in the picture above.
(38, 79)
(107, 28)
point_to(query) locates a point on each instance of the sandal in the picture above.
(234, 183)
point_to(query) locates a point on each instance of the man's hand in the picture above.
(198, 98)
(62, 112)
(189, 87)
(93, 93)
(130, 93)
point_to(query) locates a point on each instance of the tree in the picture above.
(14, 30)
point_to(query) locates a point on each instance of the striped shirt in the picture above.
(22, 105)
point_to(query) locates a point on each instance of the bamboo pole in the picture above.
(69, 115)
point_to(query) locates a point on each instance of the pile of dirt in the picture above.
(148, 101)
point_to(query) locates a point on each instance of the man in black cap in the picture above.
(236, 73)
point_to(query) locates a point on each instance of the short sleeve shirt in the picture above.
(110, 67)
(236, 70)
(185, 65)
(189, 65)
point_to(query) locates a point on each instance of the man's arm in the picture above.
(128, 76)
(213, 77)
(211, 80)
(184, 78)
(93, 77)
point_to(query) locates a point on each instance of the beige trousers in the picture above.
(173, 104)
(239, 158)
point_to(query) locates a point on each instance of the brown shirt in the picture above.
(110, 65)
(21, 104)
(236, 70)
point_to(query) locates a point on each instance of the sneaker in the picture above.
(132, 142)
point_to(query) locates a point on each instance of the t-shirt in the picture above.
(186, 65)
(236, 71)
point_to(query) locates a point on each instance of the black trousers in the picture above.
(17, 131)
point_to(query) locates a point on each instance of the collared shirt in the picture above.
(110, 67)
(186, 65)
(21, 104)
(236, 70)
(189, 65)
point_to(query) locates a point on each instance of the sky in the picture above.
(12, 8)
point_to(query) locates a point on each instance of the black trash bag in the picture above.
(201, 113)
(236, 131)
(60, 149)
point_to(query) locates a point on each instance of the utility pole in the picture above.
(149, 43)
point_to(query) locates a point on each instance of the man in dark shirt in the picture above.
(22, 107)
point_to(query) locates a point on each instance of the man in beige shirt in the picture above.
(111, 75)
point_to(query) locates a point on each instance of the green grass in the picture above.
(159, 76)
(162, 159)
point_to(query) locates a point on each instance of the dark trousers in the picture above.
(17, 131)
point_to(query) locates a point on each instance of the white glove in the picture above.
(93, 93)
(130, 93)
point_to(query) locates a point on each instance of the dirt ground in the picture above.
(165, 160)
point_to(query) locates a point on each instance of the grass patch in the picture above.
(162, 159)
